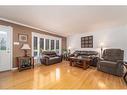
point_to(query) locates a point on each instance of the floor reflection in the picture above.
(101, 84)
(41, 80)
(57, 73)
(60, 76)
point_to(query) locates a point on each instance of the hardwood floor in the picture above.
(60, 76)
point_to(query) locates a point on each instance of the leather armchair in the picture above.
(50, 57)
(111, 62)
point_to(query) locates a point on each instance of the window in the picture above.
(35, 46)
(35, 53)
(35, 43)
(47, 44)
(3, 40)
(42, 43)
(52, 45)
(57, 44)
(87, 42)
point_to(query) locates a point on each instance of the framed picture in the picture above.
(87, 42)
(23, 37)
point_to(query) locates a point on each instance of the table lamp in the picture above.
(102, 45)
(25, 47)
(69, 51)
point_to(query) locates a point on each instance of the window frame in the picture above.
(38, 35)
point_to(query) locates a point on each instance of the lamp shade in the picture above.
(102, 44)
(69, 47)
(25, 47)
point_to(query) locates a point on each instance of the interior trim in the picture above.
(15, 22)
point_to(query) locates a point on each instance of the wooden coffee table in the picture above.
(80, 62)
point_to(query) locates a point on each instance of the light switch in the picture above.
(16, 43)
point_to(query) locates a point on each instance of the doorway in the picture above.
(5, 48)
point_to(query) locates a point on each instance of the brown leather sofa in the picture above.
(111, 62)
(93, 55)
(50, 57)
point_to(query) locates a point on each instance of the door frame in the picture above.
(11, 45)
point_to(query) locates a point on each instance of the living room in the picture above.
(63, 47)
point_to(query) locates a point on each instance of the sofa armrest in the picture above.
(120, 62)
(45, 56)
(59, 55)
(44, 59)
(98, 62)
(120, 67)
(71, 55)
(100, 59)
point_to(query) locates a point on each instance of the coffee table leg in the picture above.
(70, 62)
(85, 65)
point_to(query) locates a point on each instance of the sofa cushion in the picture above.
(52, 55)
(86, 53)
(92, 52)
(113, 54)
(52, 58)
(48, 52)
(85, 56)
(108, 63)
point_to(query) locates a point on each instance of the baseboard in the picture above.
(14, 68)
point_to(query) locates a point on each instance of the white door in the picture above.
(5, 48)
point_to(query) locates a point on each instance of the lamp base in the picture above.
(101, 52)
(25, 53)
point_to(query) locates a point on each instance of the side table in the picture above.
(25, 63)
(65, 56)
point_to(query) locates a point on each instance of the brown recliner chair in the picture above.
(50, 57)
(112, 62)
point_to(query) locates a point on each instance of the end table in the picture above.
(25, 63)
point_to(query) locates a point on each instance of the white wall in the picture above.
(112, 38)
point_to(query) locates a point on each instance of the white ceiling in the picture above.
(66, 20)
